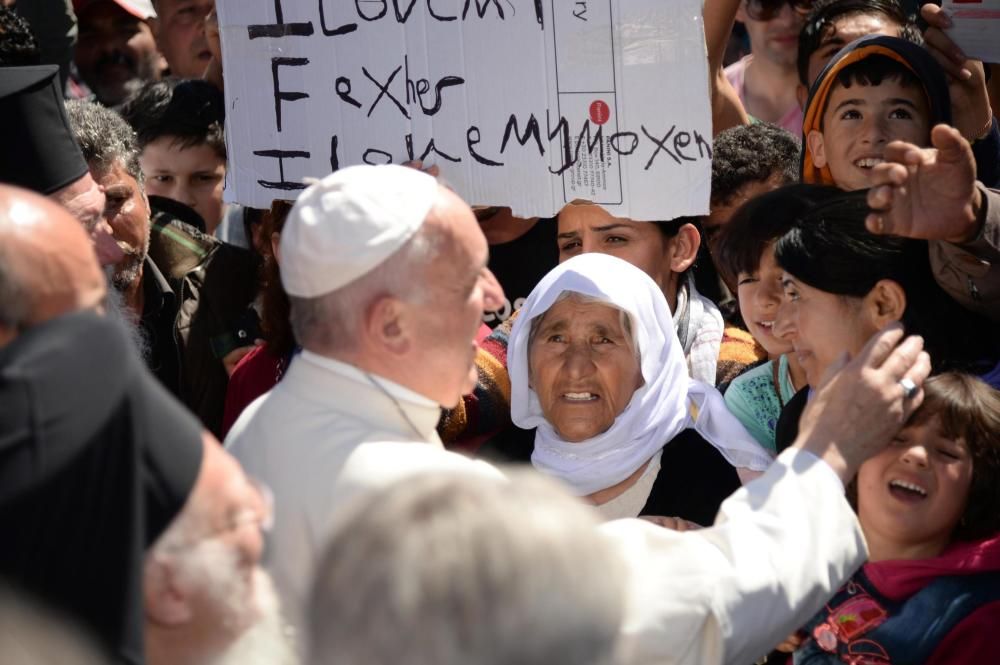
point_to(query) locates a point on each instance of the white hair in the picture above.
(247, 609)
(445, 569)
(331, 321)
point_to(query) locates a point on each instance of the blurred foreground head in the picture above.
(450, 570)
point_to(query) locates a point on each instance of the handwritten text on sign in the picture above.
(527, 103)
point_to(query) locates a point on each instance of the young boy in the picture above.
(182, 146)
(879, 89)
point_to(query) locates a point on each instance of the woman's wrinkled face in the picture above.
(582, 367)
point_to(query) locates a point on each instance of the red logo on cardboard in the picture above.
(599, 112)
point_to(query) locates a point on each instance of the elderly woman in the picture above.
(597, 370)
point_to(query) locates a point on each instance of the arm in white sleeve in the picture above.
(780, 547)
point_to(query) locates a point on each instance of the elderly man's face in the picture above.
(180, 35)
(115, 52)
(127, 212)
(460, 289)
(207, 599)
(583, 367)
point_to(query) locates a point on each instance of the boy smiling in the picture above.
(877, 90)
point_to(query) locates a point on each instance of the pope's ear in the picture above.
(164, 602)
(387, 323)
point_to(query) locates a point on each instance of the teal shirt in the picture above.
(752, 399)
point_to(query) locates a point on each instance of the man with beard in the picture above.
(207, 600)
(188, 292)
(116, 52)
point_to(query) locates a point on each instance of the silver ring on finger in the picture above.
(909, 388)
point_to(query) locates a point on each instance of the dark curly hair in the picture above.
(752, 153)
(105, 139)
(820, 25)
(189, 111)
(18, 46)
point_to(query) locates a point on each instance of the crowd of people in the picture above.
(380, 424)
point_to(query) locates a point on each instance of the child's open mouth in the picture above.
(908, 492)
(868, 162)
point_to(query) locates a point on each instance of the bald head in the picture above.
(47, 263)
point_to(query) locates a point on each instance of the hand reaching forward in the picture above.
(927, 193)
(862, 404)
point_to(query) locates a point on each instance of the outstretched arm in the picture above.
(783, 543)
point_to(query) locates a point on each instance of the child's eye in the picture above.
(746, 279)
(948, 453)
(791, 294)
(851, 114)
(162, 178)
(900, 114)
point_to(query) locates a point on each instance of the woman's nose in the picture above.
(784, 325)
(578, 360)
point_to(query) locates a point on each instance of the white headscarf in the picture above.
(668, 402)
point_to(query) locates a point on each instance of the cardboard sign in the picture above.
(975, 27)
(525, 103)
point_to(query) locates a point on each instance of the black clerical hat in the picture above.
(39, 151)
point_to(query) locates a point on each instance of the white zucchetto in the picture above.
(349, 223)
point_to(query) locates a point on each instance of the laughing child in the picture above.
(929, 506)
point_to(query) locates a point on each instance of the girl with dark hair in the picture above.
(929, 506)
(263, 367)
(842, 284)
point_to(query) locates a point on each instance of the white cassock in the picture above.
(780, 547)
(326, 432)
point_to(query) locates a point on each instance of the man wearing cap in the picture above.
(116, 52)
(386, 273)
(41, 154)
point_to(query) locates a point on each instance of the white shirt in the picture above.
(323, 434)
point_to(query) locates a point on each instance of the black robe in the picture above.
(96, 459)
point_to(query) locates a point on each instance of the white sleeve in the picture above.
(780, 547)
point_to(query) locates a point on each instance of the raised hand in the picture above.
(927, 193)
